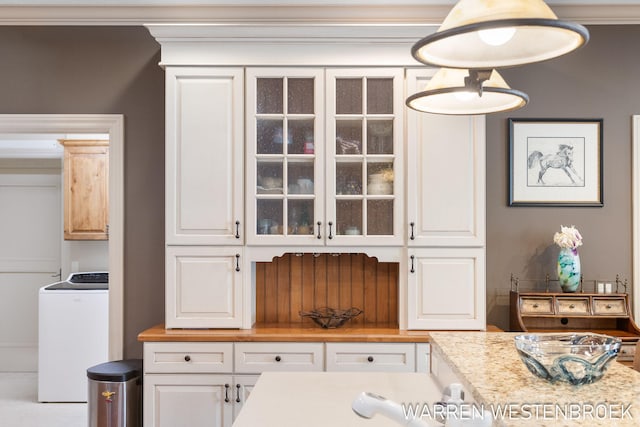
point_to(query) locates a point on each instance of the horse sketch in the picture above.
(562, 159)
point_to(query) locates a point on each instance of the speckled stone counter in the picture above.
(488, 366)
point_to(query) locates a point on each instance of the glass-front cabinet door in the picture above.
(285, 155)
(324, 156)
(364, 184)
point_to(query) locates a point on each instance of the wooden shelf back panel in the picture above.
(292, 283)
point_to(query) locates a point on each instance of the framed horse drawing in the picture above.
(555, 162)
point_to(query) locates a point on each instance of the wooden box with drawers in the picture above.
(608, 314)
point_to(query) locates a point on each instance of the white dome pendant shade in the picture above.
(467, 92)
(487, 34)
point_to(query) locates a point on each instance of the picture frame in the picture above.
(555, 162)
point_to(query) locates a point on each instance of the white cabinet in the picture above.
(273, 356)
(445, 218)
(204, 156)
(192, 384)
(373, 357)
(204, 196)
(203, 287)
(423, 357)
(325, 156)
(446, 176)
(187, 400)
(446, 288)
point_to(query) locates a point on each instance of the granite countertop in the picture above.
(488, 366)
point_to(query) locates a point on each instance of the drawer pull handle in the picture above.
(535, 306)
(572, 306)
(608, 306)
(278, 358)
(412, 237)
(330, 232)
(370, 359)
(226, 393)
(238, 393)
(237, 229)
(319, 236)
(187, 358)
(237, 262)
(413, 268)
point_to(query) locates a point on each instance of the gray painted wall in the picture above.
(113, 70)
(597, 81)
(104, 70)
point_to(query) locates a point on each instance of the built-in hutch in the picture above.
(296, 178)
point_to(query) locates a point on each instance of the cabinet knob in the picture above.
(370, 359)
(608, 306)
(572, 306)
(187, 358)
(535, 306)
(278, 358)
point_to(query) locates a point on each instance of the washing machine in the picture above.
(73, 335)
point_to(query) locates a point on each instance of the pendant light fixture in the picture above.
(488, 34)
(478, 36)
(462, 92)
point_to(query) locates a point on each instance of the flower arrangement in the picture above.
(568, 237)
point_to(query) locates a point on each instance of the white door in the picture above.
(31, 234)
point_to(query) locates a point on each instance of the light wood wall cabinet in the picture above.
(86, 189)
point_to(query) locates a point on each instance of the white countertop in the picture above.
(488, 366)
(322, 399)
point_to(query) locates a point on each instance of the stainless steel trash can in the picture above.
(115, 394)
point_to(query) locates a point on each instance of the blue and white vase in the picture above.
(569, 269)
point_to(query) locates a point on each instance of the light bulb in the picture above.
(464, 96)
(497, 36)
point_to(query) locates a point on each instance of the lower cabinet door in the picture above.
(446, 288)
(203, 287)
(188, 400)
(242, 387)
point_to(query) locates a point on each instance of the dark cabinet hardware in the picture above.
(370, 359)
(319, 236)
(412, 237)
(226, 393)
(330, 232)
(238, 393)
(187, 358)
(413, 269)
(278, 358)
(237, 229)
(237, 262)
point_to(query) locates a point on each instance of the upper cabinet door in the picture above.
(285, 156)
(446, 175)
(364, 179)
(204, 156)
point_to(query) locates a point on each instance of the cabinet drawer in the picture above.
(609, 306)
(273, 356)
(390, 357)
(578, 306)
(627, 352)
(178, 357)
(536, 305)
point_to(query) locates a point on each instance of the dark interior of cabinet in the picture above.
(302, 282)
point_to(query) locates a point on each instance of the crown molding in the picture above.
(410, 12)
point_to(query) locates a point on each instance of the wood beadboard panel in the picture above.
(296, 282)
